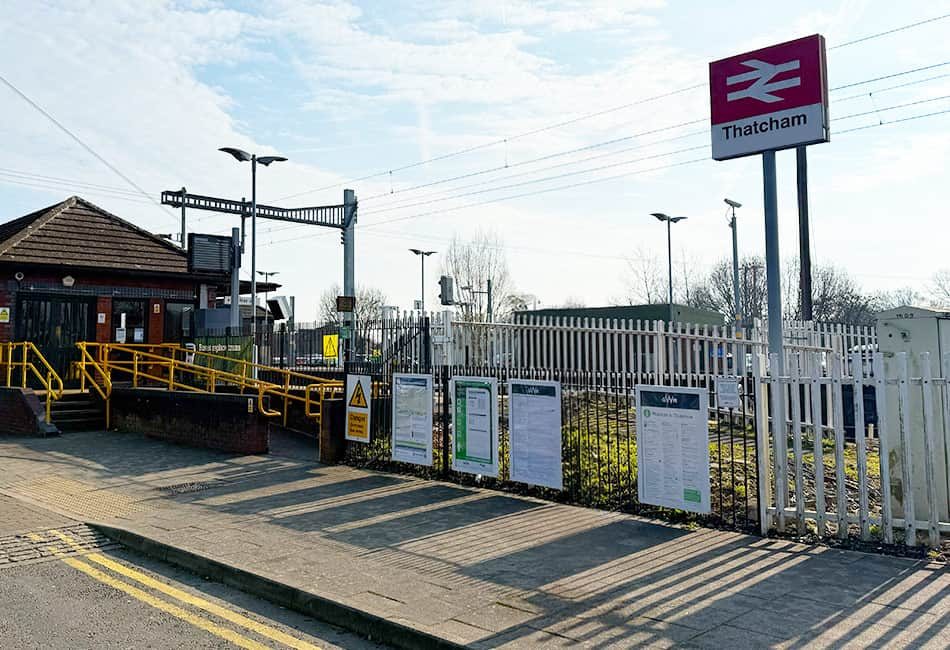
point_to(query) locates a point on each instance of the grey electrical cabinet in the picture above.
(916, 330)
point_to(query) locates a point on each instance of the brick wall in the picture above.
(6, 300)
(156, 321)
(23, 413)
(216, 421)
(104, 330)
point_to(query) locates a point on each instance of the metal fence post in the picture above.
(446, 387)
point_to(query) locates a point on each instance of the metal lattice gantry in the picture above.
(331, 216)
(342, 217)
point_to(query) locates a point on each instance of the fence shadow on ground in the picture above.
(527, 571)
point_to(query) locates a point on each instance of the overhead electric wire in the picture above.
(499, 141)
(539, 180)
(621, 139)
(580, 118)
(134, 198)
(890, 31)
(81, 143)
(596, 145)
(582, 183)
(389, 208)
(892, 108)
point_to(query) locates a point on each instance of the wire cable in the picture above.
(82, 144)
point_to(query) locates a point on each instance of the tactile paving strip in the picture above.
(82, 499)
(47, 545)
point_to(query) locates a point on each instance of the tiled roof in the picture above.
(77, 233)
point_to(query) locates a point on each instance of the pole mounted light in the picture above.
(422, 256)
(669, 248)
(735, 261)
(242, 156)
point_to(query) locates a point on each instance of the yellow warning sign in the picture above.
(331, 346)
(357, 426)
(4, 314)
(358, 412)
(359, 397)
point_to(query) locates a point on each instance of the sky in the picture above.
(570, 121)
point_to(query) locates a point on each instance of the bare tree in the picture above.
(899, 298)
(472, 263)
(369, 304)
(573, 302)
(646, 284)
(940, 288)
(836, 296)
(716, 290)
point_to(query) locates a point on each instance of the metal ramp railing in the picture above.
(30, 364)
(181, 369)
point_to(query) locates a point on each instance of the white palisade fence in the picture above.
(885, 480)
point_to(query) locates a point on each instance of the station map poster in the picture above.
(673, 447)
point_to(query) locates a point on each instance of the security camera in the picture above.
(734, 204)
(18, 276)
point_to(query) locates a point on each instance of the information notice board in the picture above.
(673, 447)
(534, 424)
(475, 425)
(412, 418)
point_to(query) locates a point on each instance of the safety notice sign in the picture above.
(358, 401)
(673, 447)
(331, 346)
(4, 314)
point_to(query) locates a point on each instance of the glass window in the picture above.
(178, 321)
(129, 321)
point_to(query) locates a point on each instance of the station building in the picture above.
(75, 272)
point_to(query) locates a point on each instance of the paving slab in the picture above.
(444, 564)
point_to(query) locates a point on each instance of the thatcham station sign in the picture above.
(769, 99)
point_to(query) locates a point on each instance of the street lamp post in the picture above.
(422, 256)
(669, 248)
(267, 276)
(735, 260)
(243, 156)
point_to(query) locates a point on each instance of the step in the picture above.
(77, 414)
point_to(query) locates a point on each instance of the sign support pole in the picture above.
(773, 260)
(184, 240)
(804, 239)
(349, 282)
(235, 314)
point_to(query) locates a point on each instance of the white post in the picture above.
(883, 437)
(819, 452)
(907, 487)
(777, 390)
(762, 443)
(796, 417)
(926, 385)
(838, 420)
(857, 370)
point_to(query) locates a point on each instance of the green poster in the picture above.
(475, 424)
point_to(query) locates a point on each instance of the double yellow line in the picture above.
(136, 592)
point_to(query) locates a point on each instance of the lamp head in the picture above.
(676, 219)
(266, 160)
(239, 154)
(660, 216)
(734, 204)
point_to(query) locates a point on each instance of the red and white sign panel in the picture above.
(773, 98)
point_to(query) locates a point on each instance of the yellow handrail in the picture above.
(50, 381)
(151, 362)
(105, 391)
